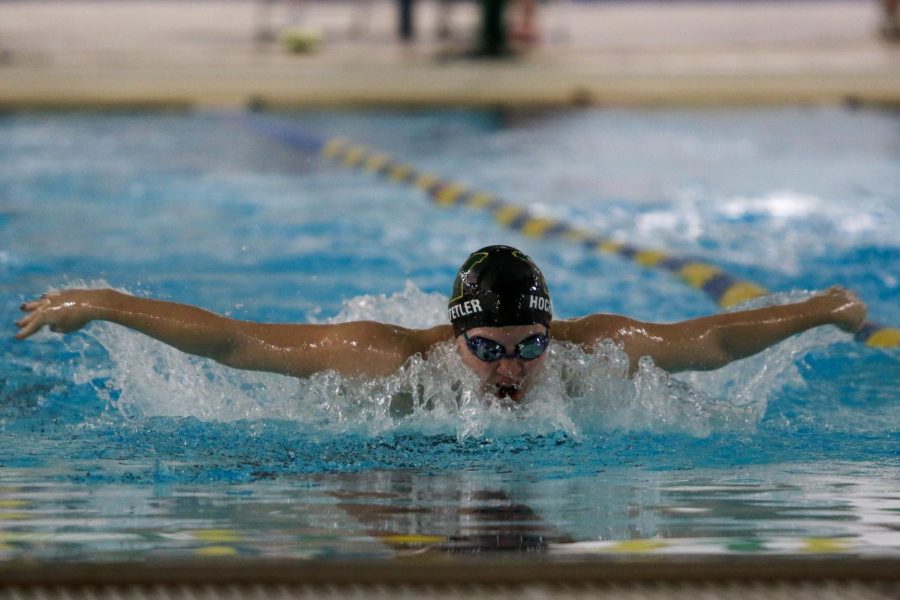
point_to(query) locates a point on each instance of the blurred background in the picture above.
(489, 52)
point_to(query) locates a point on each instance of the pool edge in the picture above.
(452, 569)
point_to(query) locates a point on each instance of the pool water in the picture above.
(115, 446)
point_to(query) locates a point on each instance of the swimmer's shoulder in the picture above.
(401, 342)
(421, 341)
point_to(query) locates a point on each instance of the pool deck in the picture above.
(204, 53)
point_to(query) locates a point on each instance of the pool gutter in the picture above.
(451, 569)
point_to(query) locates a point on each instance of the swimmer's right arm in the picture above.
(712, 342)
(357, 348)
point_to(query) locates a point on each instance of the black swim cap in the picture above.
(498, 286)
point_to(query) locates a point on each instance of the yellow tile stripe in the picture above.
(217, 535)
(217, 551)
(636, 546)
(414, 539)
(825, 545)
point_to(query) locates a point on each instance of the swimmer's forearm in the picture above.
(184, 327)
(721, 339)
(187, 328)
(190, 329)
(712, 342)
(287, 349)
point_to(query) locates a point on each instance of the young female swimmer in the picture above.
(500, 318)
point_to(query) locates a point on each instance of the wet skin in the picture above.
(508, 377)
(372, 349)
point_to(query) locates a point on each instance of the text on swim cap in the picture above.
(464, 308)
(540, 303)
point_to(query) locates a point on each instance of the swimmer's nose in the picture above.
(510, 366)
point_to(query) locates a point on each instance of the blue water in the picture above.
(113, 444)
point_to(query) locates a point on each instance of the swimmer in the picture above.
(501, 321)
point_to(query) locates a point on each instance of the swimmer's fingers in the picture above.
(32, 322)
(28, 330)
(28, 326)
(849, 312)
(841, 292)
(60, 312)
(34, 305)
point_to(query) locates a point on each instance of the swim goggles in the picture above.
(490, 351)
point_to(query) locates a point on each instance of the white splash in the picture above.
(409, 308)
(780, 204)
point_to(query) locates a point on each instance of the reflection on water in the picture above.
(451, 514)
(390, 513)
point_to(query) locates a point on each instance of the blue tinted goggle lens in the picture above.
(490, 351)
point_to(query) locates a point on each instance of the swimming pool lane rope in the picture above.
(724, 289)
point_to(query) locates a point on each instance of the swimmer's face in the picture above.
(508, 377)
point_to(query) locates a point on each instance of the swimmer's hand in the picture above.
(62, 312)
(842, 307)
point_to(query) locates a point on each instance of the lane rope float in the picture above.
(724, 289)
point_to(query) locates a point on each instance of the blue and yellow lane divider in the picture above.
(725, 290)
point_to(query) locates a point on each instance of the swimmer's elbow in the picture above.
(690, 357)
(233, 353)
(713, 355)
(247, 359)
(248, 353)
(713, 360)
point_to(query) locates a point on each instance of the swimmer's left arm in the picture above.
(715, 341)
(357, 348)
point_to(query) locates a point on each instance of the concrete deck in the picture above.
(206, 53)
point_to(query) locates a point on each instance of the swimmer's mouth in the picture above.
(506, 390)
